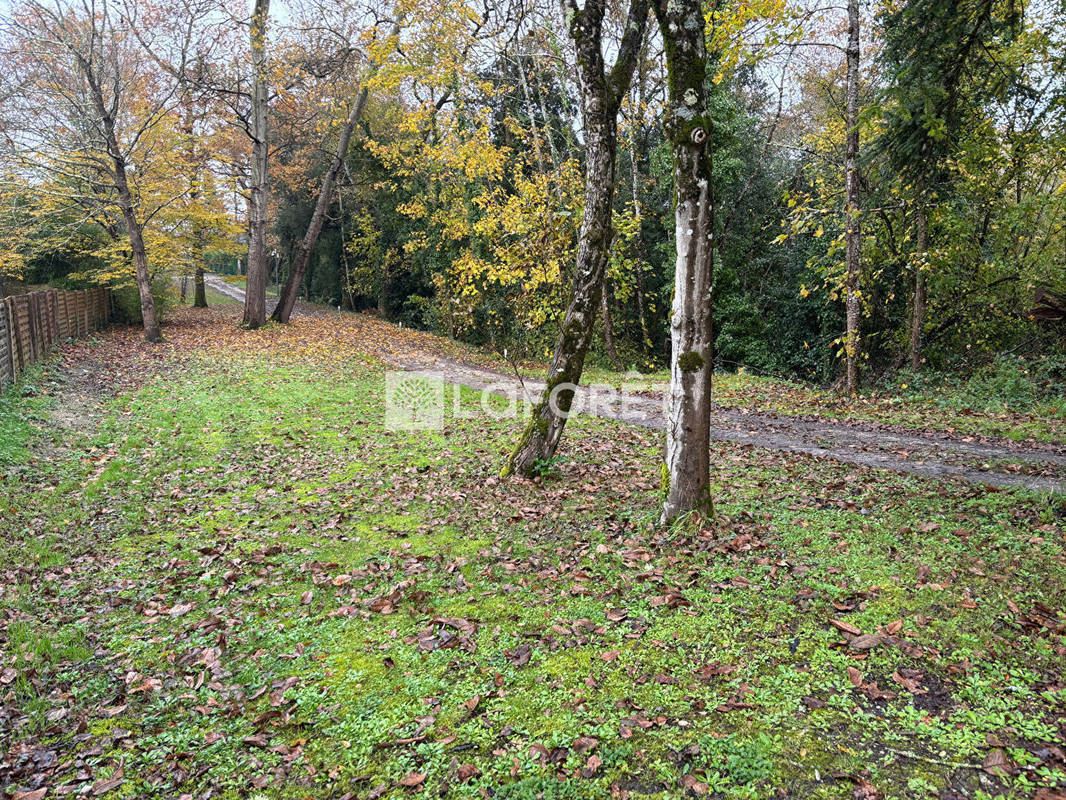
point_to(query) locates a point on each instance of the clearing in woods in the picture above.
(224, 577)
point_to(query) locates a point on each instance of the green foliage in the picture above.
(1024, 385)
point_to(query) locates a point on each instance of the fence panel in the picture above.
(30, 324)
(66, 330)
(7, 369)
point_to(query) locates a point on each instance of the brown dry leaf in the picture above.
(846, 627)
(103, 786)
(867, 641)
(611, 655)
(591, 766)
(467, 772)
(997, 763)
(36, 794)
(472, 703)
(412, 779)
(864, 790)
(181, 609)
(854, 676)
(584, 744)
(694, 785)
(909, 679)
(305, 598)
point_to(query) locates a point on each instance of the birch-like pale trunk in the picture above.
(259, 191)
(853, 231)
(601, 96)
(291, 291)
(688, 416)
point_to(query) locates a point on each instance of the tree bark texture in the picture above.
(106, 113)
(687, 465)
(259, 194)
(602, 94)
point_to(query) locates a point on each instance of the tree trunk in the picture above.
(200, 289)
(601, 98)
(687, 468)
(853, 233)
(920, 289)
(256, 283)
(287, 300)
(140, 257)
(125, 202)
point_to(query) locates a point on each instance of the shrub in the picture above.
(126, 301)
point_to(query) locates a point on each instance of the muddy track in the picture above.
(1001, 462)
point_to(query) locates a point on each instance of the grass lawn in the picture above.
(235, 582)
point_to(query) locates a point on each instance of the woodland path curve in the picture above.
(1001, 463)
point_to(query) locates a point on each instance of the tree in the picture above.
(602, 93)
(687, 467)
(940, 56)
(85, 105)
(259, 187)
(853, 234)
(356, 104)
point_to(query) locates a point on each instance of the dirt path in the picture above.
(228, 289)
(1000, 463)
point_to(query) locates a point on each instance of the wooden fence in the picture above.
(31, 323)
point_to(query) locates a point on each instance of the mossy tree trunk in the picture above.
(259, 191)
(602, 94)
(687, 467)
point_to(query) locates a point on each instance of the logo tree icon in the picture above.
(416, 398)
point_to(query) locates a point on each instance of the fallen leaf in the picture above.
(468, 771)
(854, 676)
(181, 609)
(867, 641)
(412, 779)
(997, 763)
(846, 627)
(591, 766)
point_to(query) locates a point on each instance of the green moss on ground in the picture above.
(245, 584)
